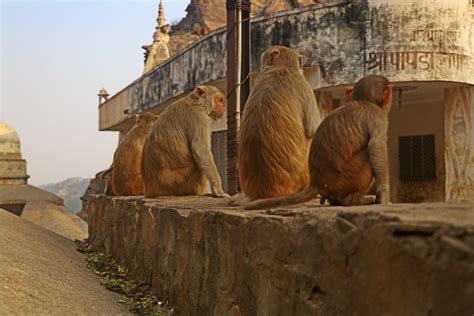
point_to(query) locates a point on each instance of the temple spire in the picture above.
(158, 51)
(161, 16)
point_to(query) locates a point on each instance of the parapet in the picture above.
(210, 259)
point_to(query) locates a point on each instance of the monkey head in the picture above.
(375, 89)
(146, 118)
(283, 57)
(212, 101)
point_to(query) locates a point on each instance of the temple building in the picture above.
(29, 202)
(425, 48)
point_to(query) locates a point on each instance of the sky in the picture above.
(55, 57)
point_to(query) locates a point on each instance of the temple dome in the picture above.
(12, 166)
(9, 142)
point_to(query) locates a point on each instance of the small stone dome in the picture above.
(9, 142)
(103, 93)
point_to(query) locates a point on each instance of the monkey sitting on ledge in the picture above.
(177, 155)
(278, 122)
(124, 177)
(348, 153)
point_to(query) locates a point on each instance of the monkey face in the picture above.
(219, 107)
(212, 100)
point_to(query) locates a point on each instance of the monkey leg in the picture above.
(356, 199)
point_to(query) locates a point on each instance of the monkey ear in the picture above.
(137, 118)
(348, 94)
(200, 91)
(274, 54)
(387, 98)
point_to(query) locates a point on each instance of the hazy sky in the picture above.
(55, 57)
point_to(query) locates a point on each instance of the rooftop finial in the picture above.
(161, 16)
(103, 95)
(158, 51)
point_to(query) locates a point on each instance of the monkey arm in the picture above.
(311, 116)
(377, 149)
(201, 150)
(311, 119)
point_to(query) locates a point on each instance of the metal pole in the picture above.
(245, 69)
(238, 66)
(239, 63)
(232, 129)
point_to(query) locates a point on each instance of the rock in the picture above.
(207, 15)
(70, 190)
(211, 14)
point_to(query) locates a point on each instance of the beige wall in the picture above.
(417, 117)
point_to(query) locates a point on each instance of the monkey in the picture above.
(177, 155)
(106, 175)
(125, 173)
(348, 153)
(278, 123)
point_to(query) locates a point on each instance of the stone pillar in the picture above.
(459, 140)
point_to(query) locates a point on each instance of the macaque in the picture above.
(348, 153)
(177, 155)
(125, 172)
(278, 122)
(106, 175)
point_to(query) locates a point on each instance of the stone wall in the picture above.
(210, 259)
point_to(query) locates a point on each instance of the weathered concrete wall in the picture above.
(209, 259)
(420, 40)
(205, 60)
(404, 40)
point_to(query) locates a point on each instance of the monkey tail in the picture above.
(104, 173)
(296, 198)
(108, 186)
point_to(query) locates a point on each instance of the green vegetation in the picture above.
(136, 295)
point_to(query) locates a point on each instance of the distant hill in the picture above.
(70, 190)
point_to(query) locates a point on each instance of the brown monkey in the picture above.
(177, 155)
(278, 122)
(106, 175)
(349, 151)
(126, 176)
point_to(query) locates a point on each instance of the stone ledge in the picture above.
(210, 259)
